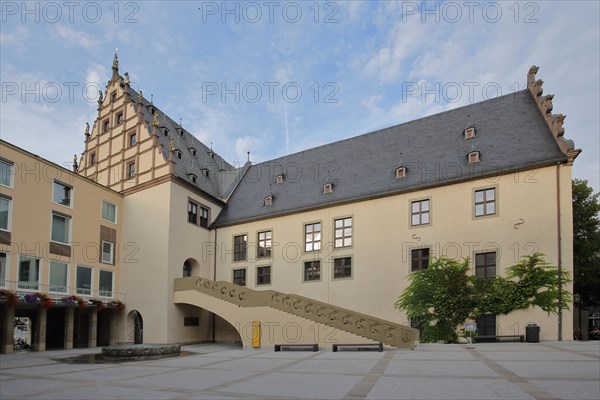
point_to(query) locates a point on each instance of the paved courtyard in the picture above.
(548, 370)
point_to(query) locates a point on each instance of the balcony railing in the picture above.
(56, 293)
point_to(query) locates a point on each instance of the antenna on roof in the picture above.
(249, 159)
(152, 99)
(180, 122)
(400, 159)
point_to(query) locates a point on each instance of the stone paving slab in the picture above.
(544, 371)
(445, 388)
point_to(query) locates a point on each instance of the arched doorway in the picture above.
(191, 267)
(135, 319)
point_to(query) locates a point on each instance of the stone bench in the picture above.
(313, 347)
(359, 346)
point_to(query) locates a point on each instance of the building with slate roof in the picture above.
(316, 246)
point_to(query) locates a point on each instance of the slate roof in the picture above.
(221, 175)
(511, 134)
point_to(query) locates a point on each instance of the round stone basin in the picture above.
(140, 351)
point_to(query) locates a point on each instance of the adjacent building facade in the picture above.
(312, 247)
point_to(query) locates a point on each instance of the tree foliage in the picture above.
(444, 295)
(586, 243)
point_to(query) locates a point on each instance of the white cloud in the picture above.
(71, 36)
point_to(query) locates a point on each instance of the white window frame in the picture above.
(102, 210)
(9, 216)
(71, 194)
(35, 287)
(83, 291)
(52, 214)
(50, 286)
(112, 252)
(4, 279)
(102, 293)
(11, 173)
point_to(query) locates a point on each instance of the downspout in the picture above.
(560, 305)
(214, 328)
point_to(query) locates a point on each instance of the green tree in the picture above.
(444, 295)
(586, 243)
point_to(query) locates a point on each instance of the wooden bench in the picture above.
(313, 347)
(499, 338)
(359, 346)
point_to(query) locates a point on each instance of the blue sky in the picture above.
(278, 77)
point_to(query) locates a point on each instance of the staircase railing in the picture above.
(377, 329)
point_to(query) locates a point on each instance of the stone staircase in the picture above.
(375, 329)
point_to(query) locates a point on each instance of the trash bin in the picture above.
(532, 333)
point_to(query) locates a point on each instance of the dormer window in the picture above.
(152, 109)
(279, 179)
(205, 171)
(400, 172)
(166, 131)
(193, 151)
(469, 133)
(178, 154)
(180, 131)
(268, 201)
(193, 178)
(473, 157)
(328, 188)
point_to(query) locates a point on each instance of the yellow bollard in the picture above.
(256, 334)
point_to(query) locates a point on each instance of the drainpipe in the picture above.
(560, 305)
(214, 328)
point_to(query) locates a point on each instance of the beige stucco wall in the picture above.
(383, 238)
(31, 219)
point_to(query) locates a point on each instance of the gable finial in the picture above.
(180, 122)
(151, 99)
(155, 119)
(140, 96)
(127, 81)
(248, 156)
(115, 65)
(87, 131)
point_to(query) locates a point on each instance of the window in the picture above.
(193, 151)
(327, 188)
(485, 202)
(132, 139)
(342, 268)
(178, 154)
(279, 179)
(105, 286)
(312, 237)
(473, 157)
(130, 169)
(6, 173)
(239, 247)
(192, 212)
(263, 275)
(400, 172)
(5, 213)
(239, 276)
(204, 217)
(419, 259)
(268, 201)
(62, 194)
(3, 269)
(419, 212)
(119, 118)
(92, 158)
(265, 240)
(485, 265)
(469, 133)
(109, 212)
(194, 178)
(312, 270)
(343, 232)
(113, 96)
(84, 280)
(60, 228)
(108, 252)
(105, 125)
(29, 272)
(58, 277)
